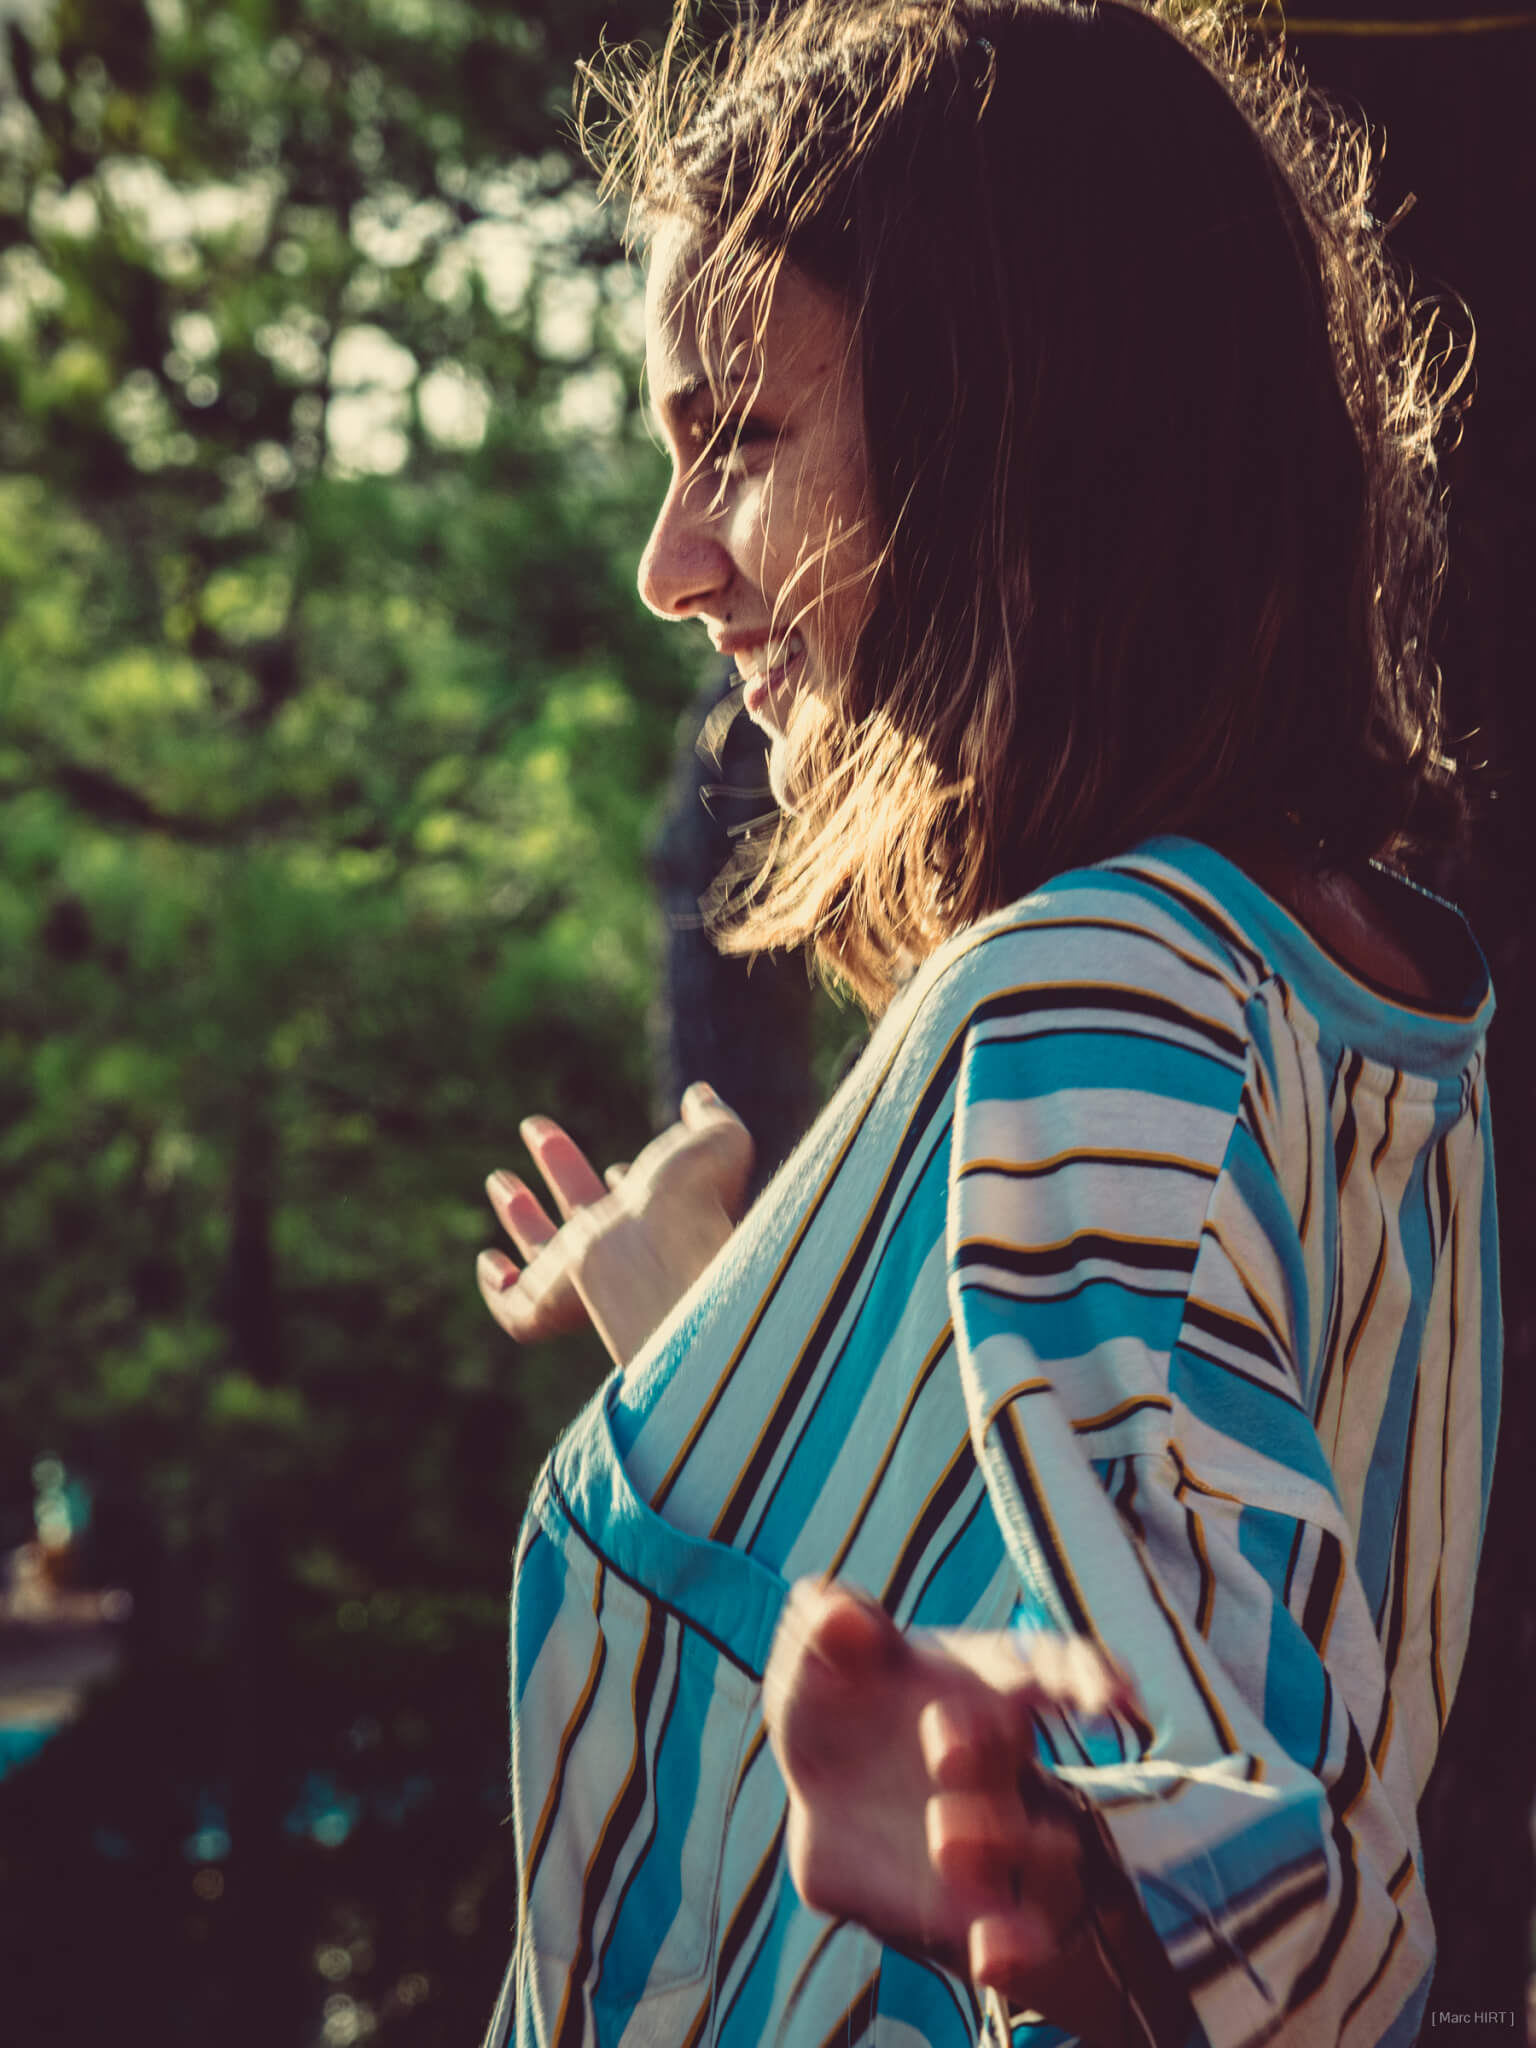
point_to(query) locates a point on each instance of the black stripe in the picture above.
(1207, 1592)
(1335, 1325)
(1252, 1123)
(1071, 1293)
(1111, 1418)
(573, 1730)
(1251, 1933)
(1290, 1563)
(1306, 1124)
(751, 1905)
(938, 1083)
(940, 1352)
(651, 1599)
(1443, 1188)
(1389, 1108)
(1044, 999)
(1394, 1642)
(1286, 1400)
(1044, 1738)
(1367, 1302)
(1342, 1795)
(621, 1819)
(943, 1557)
(1232, 941)
(729, 1520)
(1435, 1681)
(1325, 1725)
(645, 1848)
(1006, 1431)
(1326, 1574)
(1214, 1715)
(1026, 1169)
(1228, 1330)
(809, 1416)
(1146, 1255)
(951, 1488)
(1348, 1132)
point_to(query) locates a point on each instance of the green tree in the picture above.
(328, 723)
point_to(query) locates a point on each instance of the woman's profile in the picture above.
(1087, 1434)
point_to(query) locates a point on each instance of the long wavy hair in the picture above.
(1151, 430)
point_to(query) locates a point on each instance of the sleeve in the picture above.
(1128, 1318)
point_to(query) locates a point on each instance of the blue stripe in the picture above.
(1387, 1475)
(1492, 1346)
(947, 1599)
(746, 2023)
(1313, 1352)
(1095, 1312)
(804, 1463)
(1282, 1829)
(1249, 1173)
(537, 1592)
(655, 1890)
(1094, 1058)
(1167, 907)
(1297, 1701)
(924, 1999)
(1269, 1423)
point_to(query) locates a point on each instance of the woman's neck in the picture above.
(1337, 910)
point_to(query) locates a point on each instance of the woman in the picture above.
(1053, 450)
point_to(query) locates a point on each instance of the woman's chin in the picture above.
(779, 777)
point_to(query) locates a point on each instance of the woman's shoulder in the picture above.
(1141, 927)
(1175, 922)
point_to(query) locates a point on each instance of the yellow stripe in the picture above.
(1137, 931)
(571, 1987)
(771, 1418)
(960, 1452)
(1191, 1663)
(557, 1776)
(1061, 1244)
(1383, 1741)
(717, 1394)
(1207, 1577)
(1198, 1485)
(1016, 1392)
(1267, 1317)
(840, 1557)
(1089, 1155)
(1092, 1422)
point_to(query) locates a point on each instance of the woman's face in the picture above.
(764, 534)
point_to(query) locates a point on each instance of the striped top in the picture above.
(1141, 1280)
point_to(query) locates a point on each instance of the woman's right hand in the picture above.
(631, 1243)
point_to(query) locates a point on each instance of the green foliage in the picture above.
(330, 732)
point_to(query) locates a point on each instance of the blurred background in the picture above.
(349, 811)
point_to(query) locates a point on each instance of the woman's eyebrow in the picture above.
(678, 407)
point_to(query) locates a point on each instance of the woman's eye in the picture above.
(731, 442)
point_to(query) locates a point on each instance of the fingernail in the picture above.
(505, 1184)
(533, 1130)
(702, 1094)
(497, 1273)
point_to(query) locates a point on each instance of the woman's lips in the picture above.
(760, 691)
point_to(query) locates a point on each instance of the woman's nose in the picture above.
(684, 565)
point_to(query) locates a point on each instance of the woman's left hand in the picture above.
(916, 1806)
(631, 1243)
